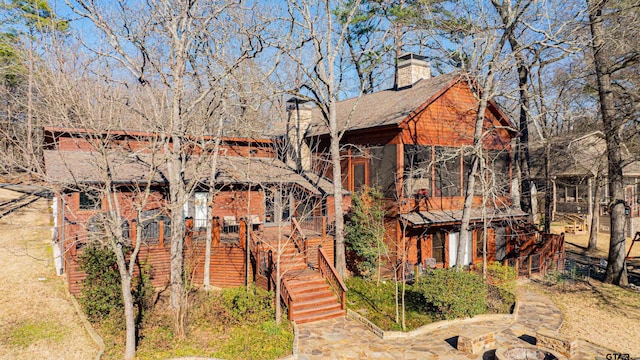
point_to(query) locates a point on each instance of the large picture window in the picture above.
(417, 169)
(383, 169)
(500, 176)
(447, 179)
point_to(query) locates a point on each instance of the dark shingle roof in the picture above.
(77, 167)
(387, 107)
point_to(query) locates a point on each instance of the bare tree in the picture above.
(315, 47)
(181, 59)
(610, 56)
(88, 107)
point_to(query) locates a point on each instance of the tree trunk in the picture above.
(616, 270)
(209, 237)
(549, 192)
(340, 261)
(595, 216)
(129, 311)
(465, 232)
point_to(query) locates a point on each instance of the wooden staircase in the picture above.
(307, 294)
(312, 297)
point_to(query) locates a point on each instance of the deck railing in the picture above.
(549, 253)
(330, 273)
(317, 224)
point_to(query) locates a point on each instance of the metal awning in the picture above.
(421, 218)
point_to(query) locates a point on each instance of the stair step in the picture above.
(313, 303)
(325, 293)
(308, 288)
(321, 316)
(306, 280)
(315, 309)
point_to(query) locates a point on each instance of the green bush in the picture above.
(453, 294)
(364, 237)
(501, 287)
(101, 293)
(248, 306)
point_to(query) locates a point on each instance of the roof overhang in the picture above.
(444, 217)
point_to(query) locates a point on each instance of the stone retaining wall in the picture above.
(557, 342)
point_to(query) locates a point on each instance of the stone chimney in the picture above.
(298, 123)
(412, 68)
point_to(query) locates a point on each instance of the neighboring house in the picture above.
(413, 143)
(578, 181)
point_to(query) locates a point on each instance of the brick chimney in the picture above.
(298, 122)
(412, 68)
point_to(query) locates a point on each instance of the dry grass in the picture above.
(603, 314)
(578, 243)
(37, 321)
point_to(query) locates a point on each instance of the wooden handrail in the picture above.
(330, 273)
(552, 245)
(287, 296)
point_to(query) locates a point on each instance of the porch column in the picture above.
(243, 232)
(160, 233)
(133, 230)
(215, 231)
(188, 232)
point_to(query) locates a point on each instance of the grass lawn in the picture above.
(603, 314)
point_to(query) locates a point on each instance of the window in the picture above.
(90, 200)
(200, 207)
(500, 166)
(417, 169)
(466, 169)
(382, 174)
(278, 205)
(479, 235)
(501, 243)
(358, 177)
(447, 179)
(437, 246)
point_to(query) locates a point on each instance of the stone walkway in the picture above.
(347, 339)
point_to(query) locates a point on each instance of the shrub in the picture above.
(501, 287)
(453, 294)
(101, 293)
(364, 228)
(253, 305)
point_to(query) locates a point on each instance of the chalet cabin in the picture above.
(579, 186)
(413, 142)
(257, 199)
